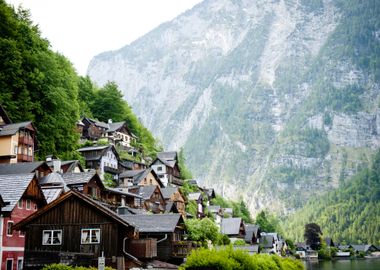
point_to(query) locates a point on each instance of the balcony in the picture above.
(24, 158)
(181, 249)
(25, 140)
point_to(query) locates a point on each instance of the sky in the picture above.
(81, 29)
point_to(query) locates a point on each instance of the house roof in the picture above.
(138, 175)
(93, 148)
(329, 242)
(12, 187)
(214, 208)
(130, 174)
(85, 200)
(52, 193)
(102, 148)
(364, 248)
(194, 196)
(146, 191)
(80, 178)
(72, 164)
(96, 122)
(250, 231)
(24, 167)
(154, 223)
(169, 163)
(228, 211)
(267, 241)
(11, 129)
(171, 207)
(168, 191)
(172, 155)
(230, 226)
(123, 191)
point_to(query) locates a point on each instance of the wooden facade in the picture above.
(66, 221)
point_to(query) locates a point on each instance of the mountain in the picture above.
(273, 100)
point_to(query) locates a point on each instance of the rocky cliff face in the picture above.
(272, 100)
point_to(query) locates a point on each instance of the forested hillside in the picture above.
(350, 214)
(41, 85)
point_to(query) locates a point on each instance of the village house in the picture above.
(167, 169)
(267, 244)
(197, 197)
(217, 212)
(167, 229)
(22, 197)
(92, 129)
(121, 197)
(233, 227)
(104, 159)
(139, 178)
(132, 165)
(252, 234)
(75, 230)
(172, 195)
(153, 199)
(64, 166)
(119, 134)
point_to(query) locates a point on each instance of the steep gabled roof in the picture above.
(214, 208)
(102, 148)
(24, 167)
(267, 241)
(168, 192)
(84, 199)
(230, 226)
(195, 196)
(146, 191)
(130, 174)
(157, 223)
(52, 193)
(96, 122)
(138, 175)
(52, 179)
(12, 187)
(167, 155)
(169, 163)
(11, 129)
(250, 231)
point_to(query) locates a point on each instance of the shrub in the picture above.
(239, 242)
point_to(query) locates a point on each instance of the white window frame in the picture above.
(21, 233)
(19, 204)
(22, 263)
(90, 231)
(50, 243)
(10, 228)
(28, 201)
(6, 263)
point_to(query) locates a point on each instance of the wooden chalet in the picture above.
(22, 196)
(252, 234)
(145, 177)
(130, 165)
(167, 169)
(233, 227)
(104, 159)
(88, 183)
(17, 141)
(75, 230)
(173, 195)
(121, 197)
(92, 129)
(40, 168)
(153, 199)
(167, 229)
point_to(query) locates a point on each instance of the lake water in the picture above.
(366, 264)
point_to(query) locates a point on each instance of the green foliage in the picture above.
(36, 83)
(185, 172)
(229, 259)
(188, 188)
(109, 181)
(192, 208)
(58, 266)
(267, 222)
(239, 242)
(222, 240)
(351, 213)
(239, 208)
(202, 230)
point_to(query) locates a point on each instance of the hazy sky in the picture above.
(80, 29)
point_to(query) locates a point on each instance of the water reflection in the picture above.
(368, 264)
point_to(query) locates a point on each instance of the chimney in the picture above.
(56, 165)
(109, 121)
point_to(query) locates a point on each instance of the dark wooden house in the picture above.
(173, 195)
(93, 129)
(75, 230)
(88, 183)
(153, 199)
(167, 229)
(233, 227)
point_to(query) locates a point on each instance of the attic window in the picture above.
(51, 237)
(90, 236)
(159, 168)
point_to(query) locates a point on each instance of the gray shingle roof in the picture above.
(17, 168)
(12, 187)
(112, 127)
(230, 226)
(214, 208)
(54, 179)
(154, 223)
(130, 174)
(168, 191)
(194, 196)
(146, 191)
(11, 129)
(52, 193)
(78, 178)
(93, 148)
(250, 231)
(167, 155)
(123, 191)
(267, 241)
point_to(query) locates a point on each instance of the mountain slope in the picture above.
(276, 100)
(350, 214)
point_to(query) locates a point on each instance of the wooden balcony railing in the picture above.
(25, 140)
(181, 249)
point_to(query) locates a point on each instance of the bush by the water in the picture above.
(58, 266)
(230, 259)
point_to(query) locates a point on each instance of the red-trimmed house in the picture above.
(22, 196)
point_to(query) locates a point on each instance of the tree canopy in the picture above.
(312, 235)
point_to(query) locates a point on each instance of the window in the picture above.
(161, 176)
(159, 168)
(9, 265)
(19, 263)
(28, 204)
(19, 204)
(90, 236)
(9, 228)
(15, 150)
(51, 237)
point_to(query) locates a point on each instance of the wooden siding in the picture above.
(143, 248)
